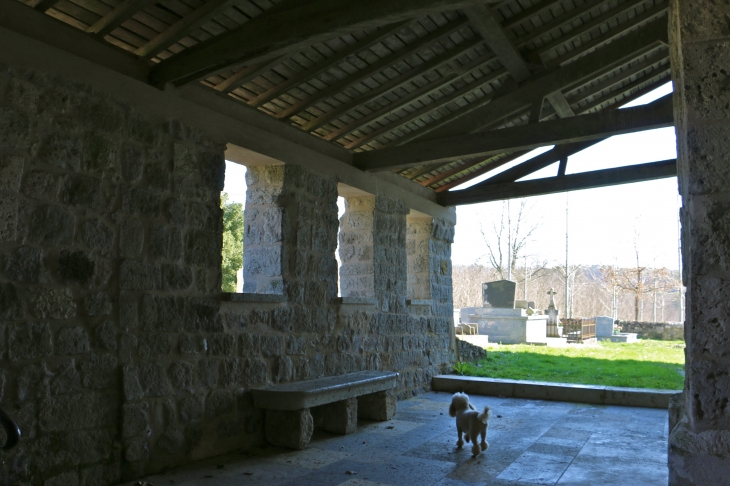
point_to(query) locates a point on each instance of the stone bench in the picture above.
(337, 403)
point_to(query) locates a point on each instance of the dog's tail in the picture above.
(483, 417)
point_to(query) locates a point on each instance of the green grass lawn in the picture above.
(646, 364)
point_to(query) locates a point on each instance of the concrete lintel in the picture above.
(34, 41)
(539, 390)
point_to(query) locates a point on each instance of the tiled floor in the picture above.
(530, 442)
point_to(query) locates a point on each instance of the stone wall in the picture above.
(120, 356)
(699, 445)
(654, 330)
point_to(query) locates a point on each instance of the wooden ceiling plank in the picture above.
(560, 104)
(561, 21)
(273, 34)
(529, 13)
(45, 5)
(524, 137)
(328, 63)
(392, 84)
(551, 185)
(374, 68)
(116, 17)
(434, 105)
(183, 27)
(564, 78)
(471, 163)
(245, 75)
(550, 157)
(486, 25)
(425, 90)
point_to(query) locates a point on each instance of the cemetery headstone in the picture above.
(499, 294)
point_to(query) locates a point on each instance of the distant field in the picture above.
(646, 364)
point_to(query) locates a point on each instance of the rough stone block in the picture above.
(131, 159)
(380, 406)
(292, 429)
(11, 172)
(30, 341)
(191, 344)
(222, 345)
(137, 451)
(162, 313)
(81, 190)
(128, 310)
(220, 402)
(152, 345)
(135, 419)
(77, 411)
(64, 479)
(14, 128)
(144, 380)
(131, 238)
(25, 264)
(202, 248)
(62, 151)
(181, 377)
(137, 200)
(176, 277)
(100, 153)
(139, 276)
(191, 409)
(51, 226)
(8, 217)
(72, 340)
(75, 266)
(65, 379)
(97, 304)
(11, 305)
(41, 185)
(340, 417)
(209, 372)
(100, 474)
(203, 315)
(98, 235)
(99, 371)
(271, 345)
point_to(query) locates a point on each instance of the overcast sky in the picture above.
(604, 225)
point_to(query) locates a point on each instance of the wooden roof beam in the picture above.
(117, 16)
(551, 185)
(524, 137)
(374, 68)
(291, 27)
(45, 5)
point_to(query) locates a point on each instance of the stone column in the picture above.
(418, 240)
(699, 445)
(389, 252)
(356, 247)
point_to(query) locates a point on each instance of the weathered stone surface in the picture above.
(128, 310)
(137, 451)
(139, 276)
(29, 341)
(131, 238)
(340, 417)
(52, 226)
(99, 371)
(154, 345)
(202, 248)
(66, 379)
(81, 190)
(289, 429)
(131, 159)
(220, 402)
(75, 266)
(98, 235)
(11, 305)
(144, 380)
(191, 344)
(97, 304)
(100, 474)
(135, 419)
(72, 340)
(76, 412)
(191, 409)
(162, 313)
(26, 265)
(181, 377)
(380, 406)
(8, 218)
(64, 479)
(176, 277)
(11, 172)
(203, 315)
(41, 185)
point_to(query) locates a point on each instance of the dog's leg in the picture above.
(484, 444)
(475, 450)
(459, 443)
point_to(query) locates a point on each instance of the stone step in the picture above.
(563, 392)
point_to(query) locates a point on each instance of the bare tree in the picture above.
(506, 243)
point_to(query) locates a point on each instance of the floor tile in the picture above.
(536, 468)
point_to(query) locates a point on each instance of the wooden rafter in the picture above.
(245, 75)
(384, 63)
(327, 64)
(552, 185)
(536, 163)
(291, 28)
(430, 65)
(117, 16)
(524, 137)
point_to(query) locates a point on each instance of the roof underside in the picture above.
(391, 85)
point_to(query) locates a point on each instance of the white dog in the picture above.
(470, 422)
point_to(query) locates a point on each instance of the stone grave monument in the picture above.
(501, 321)
(552, 316)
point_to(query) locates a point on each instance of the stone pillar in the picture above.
(699, 445)
(340, 417)
(263, 236)
(389, 253)
(292, 429)
(356, 248)
(380, 406)
(418, 240)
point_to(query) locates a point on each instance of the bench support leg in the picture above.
(341, 417)
(378, 406)
(292, 429)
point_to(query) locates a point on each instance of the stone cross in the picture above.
(552, 293)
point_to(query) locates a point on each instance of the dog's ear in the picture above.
(452, 410)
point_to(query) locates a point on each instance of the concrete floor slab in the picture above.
(530, 442)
